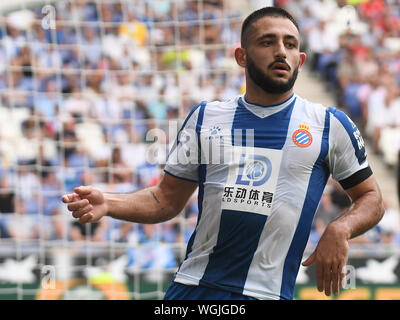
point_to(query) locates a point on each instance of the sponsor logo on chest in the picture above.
(252, 179)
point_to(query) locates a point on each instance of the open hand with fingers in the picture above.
(86, 204)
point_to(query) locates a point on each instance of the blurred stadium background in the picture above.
(83, 83)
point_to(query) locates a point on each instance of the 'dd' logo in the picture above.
(302, 136)
(254, 170)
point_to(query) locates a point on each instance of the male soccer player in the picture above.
(261, 162)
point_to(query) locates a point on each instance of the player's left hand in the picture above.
(330, 257)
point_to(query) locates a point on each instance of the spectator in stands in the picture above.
(388, 125)
(327, 211)
(171, 230)
(79, 232)
(50, 189)
(153, 253)
(389, 226)
(20, 225)
(76, 105)
(349, 82)
(91, 46)
(27, 188)
(12, 41)
(121, 171)
(46, 103)
(123, 91)
(7, 193)
(338, 195)
(133, 30)
(376, 108)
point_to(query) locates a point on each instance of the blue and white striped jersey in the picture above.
(261, 173)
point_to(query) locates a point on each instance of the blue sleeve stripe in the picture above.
(184, 124)
(202, 178)
(353, 132)
(191, 112)
(199, 124)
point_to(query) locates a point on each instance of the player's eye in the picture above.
(267, 43)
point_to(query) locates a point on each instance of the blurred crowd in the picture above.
(89, 98)
(94, 97)
(353, 47)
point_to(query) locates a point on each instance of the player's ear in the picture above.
(302, 59)
(240, 56)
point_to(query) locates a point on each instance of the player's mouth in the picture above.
(280, 68)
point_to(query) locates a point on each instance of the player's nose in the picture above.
(280, 50)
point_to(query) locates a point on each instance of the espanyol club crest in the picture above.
(302, 136)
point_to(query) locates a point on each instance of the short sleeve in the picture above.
(347, 155)
(183, 159)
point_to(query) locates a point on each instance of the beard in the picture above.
(268, 84)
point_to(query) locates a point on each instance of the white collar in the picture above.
(265, 111)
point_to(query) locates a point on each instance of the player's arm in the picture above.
(347, 160)
(150, 205)
(366, 211)
(331, 253)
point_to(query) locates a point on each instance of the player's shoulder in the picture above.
(310, 105)
(311, 111)
(216, 104)
(341, 120)
(318, 109)
(339, 123)
(223, 104)
(210, 108)
(218, 107)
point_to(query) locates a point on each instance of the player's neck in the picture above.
(260, 97)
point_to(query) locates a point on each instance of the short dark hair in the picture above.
(260, 13)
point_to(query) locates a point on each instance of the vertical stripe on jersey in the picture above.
(269, 132)
(232, 256)
(202, 176)
(318, 179)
